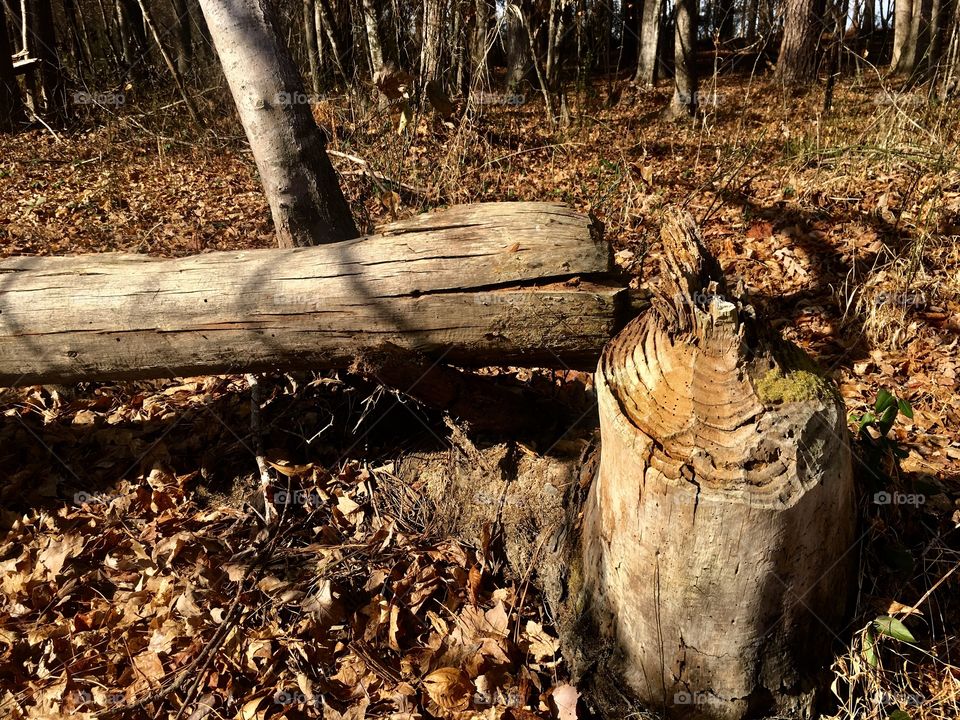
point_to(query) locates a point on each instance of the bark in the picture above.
(514, 41)
(949, 75)
(724, 19)
(684, 102)
(133, 35)
(472, 285)
(432, 42)
(797, 61)
(480, 44)
(902, 24)
(184, 32)
(310, 35)
(44, 48)
(373, 37)
(753, 12)
(11, 104)
(649, 38)
(290, 150)
(915, 51)
(717, 533)
(325, 21)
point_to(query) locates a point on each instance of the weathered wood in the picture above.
(499, 283)
(717, 537)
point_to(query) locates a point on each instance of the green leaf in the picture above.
(870, 647)
(886, 422)
(891, 627)
(865, 420)
(899, 715)
(905, 408)
(884, 400)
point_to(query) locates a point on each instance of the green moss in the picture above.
(794, 386)
(794, 378)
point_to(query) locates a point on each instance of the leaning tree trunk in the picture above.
(649, 38)
(11, 104)
(684, 101)
(301, 185)
(797, 61)
(717, 535)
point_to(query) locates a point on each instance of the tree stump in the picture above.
(717, 536)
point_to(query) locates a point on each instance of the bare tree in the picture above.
(649, 37)
(797, 62)
(684, 101)
(374, 43)
(313, 50)
(11, 104)
(43, 44)
(432, 41)
(184, 33)
(902, 25)
(306, 201)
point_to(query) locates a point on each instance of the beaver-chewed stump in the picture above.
(717, 536)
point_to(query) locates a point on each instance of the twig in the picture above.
(269, 512)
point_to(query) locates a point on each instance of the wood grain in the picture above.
(496, 283)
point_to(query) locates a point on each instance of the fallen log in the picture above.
(488, 284)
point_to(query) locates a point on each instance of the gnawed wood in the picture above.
(498, 283)
(717, 536)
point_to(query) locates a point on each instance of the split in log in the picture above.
(717, 537)
(490, 284)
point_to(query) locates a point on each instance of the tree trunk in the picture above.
(44, 47)
(184, 31)
(717, 534)
(11, 104)
(325, 20)
(480, 44)
(290, 150)
(915, 51)
(949, 75)
(432, 42)
(373, 37)
(902, 24)
(132, 35)
(310, 36)
(797, 62)
(473, 285)
(684, 102)
(514, 41)
(649, 39)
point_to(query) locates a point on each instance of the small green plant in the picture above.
(881, 451)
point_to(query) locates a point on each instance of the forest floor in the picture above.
(128, 510)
